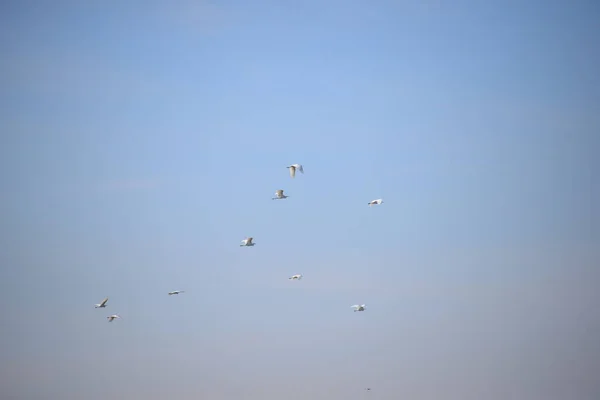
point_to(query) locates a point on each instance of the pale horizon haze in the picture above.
(141, 141)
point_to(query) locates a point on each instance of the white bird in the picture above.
(279, 195)
(375, 202)
(176, 292)
(293, 169)
(247, 242)
(102, 304)
(114, 316)
(296, 277)
(359, 308)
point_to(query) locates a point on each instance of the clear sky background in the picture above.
(141, 141)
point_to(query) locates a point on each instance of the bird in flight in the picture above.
(375, 202)
(296, 277)
(176, 292)
(112, 317)
(247, 242)
(279, 195)
(102, 304)
(293, 169)
(359, 307)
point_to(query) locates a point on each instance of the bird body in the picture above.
(102, 304)
(296, 277)
(176, 292)
(293, 169)
(359, 307)
(247, 242)
(375, 202)
(112, 317)
(279, 195)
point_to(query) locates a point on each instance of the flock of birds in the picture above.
(249, 242)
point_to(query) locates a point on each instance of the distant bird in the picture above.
(114, 316)
(359, 308)
(247, 242)
(176, 292)
(367, 388)
(102, 304)
(279, 195)
(296, 277)
(375, 202)
(293, 169)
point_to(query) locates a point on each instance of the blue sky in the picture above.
(140, 141)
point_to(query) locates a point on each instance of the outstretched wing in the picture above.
(292, 171)
(103, 302)
(279, 193)
(300, 168)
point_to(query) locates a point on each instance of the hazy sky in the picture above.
(141, 141)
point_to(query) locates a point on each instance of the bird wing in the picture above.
(103, 302)
(292, 171)
(355, 306)
(279, 193)
(300, 168)
(249, 240)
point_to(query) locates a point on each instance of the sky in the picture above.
(141, 141)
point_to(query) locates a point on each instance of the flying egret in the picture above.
(176, 292)
(247, 242)
(279, 195)
(375, 202)
(359, 307)
(296, 277)
(293, 169)
(112, 317)
(102, 304)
